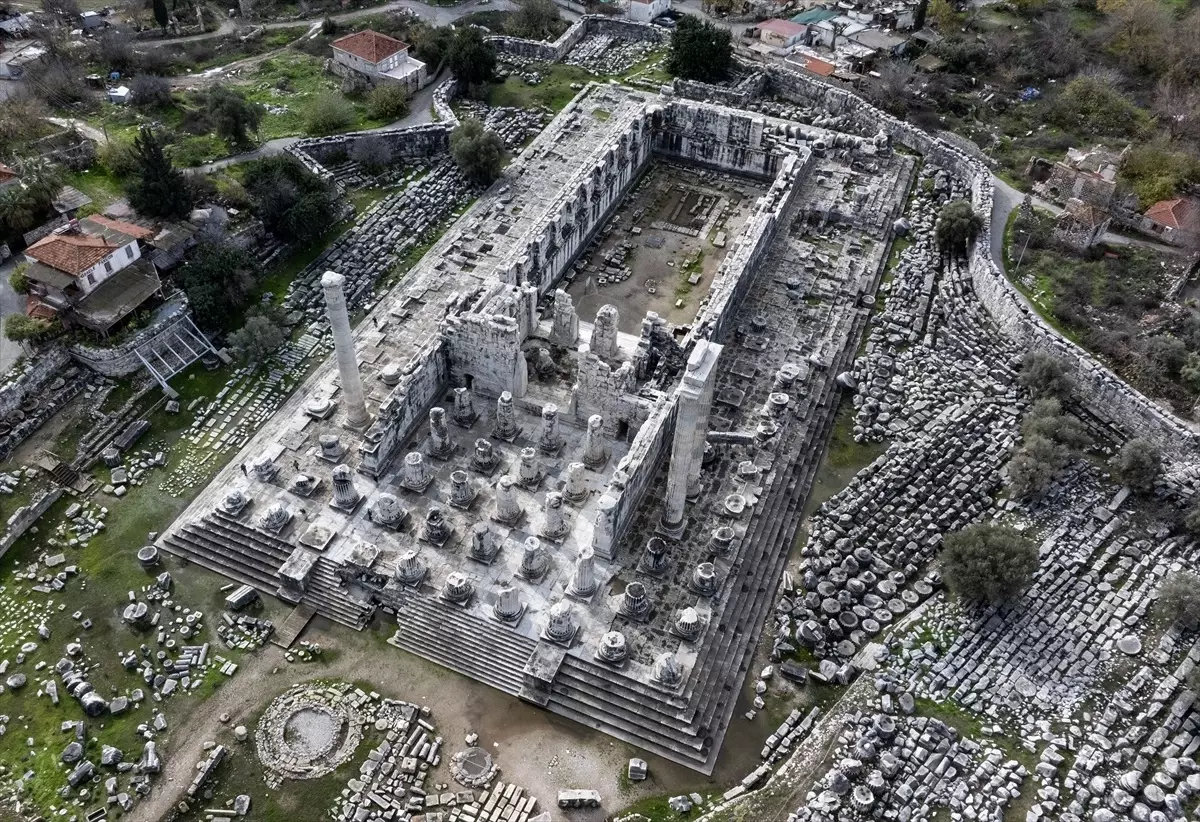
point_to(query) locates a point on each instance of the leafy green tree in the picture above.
(1034, 465)
(258, 338)
(161, 16)
(17, 211)
(957, 227)
(387, 102)
(217, 279)
(17, 279)
(159, 189)
(1158, 170)
(535, 20)
(432, 44)
(943, 15)
(1046, 419)
(232, 115)
(479, 153)
(1045, 375)
(1190, 372)
(1179, 599)
(293, 203)
(20, 328)
(699, 50)
(119, 157)
(988, 562)
(1138, 464)
(328, 113)
(42, 179)
(1093, 105)
(472, 60)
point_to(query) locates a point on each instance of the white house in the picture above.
(780, 33)
(380, 58)
(643, 11)
(91, 271)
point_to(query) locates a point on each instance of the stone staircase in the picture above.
(447, 635)
(225, 545)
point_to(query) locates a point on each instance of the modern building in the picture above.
(91, 273)
(643, 11)
(379, 58)
(780, 33)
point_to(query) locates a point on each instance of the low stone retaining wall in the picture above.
(26, 516)
(587, 25)
(30, 376)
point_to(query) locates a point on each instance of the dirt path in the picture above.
(533, 748)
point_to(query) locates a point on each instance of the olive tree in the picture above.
(988, 562)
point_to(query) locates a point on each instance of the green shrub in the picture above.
(387, 102)
(328, 113)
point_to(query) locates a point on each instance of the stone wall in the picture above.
(585, 26)
(647, 454)
(427, 140)
(30, 375)
(739, 96)
(122, 360)
(422, 381)
(26, 516)
(1104, 393)
(721, 138)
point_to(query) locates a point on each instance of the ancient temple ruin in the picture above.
(589, 518)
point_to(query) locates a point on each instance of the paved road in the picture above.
(1006, 198)
(437, 15)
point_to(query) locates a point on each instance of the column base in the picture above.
(355, 426)
(670, 531)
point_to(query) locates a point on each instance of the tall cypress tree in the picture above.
(160, 14)
(159, 190)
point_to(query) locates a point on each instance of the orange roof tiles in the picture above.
(136, 231)
(72, 253)
(370, 45)
(1172, 213)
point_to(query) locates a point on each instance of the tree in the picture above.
(1138, 464)
(920, 14)
(387, 102)
(150, 91)
(232, 115)
(372, 153)
(327, 113)
(119, 157)
(329, 26)
(66, 10)
(988, 562)
(1158, 169)
(292, 202)
(1179, 599)
(17, 211)
(890, 90)
(1191, 520)
(1139, 33)
(217, 280)
(535, 20)
(42, 179)
(16, 113)
(1177, 104)
(432, 44)
(257, 338)
(479, 153)
(1095, 105)
(1034, 466)
(17, 280)
(699, 50)
(1046, 419)
(20, 328)
(957, 226)
(944, 16)
(1190, 372)
(472, 60)
(1045, 375)
(158, 190)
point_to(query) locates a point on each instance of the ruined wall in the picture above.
(1105, 394)
(721, 138)
(485, 348)
(738, 96)
(422, 381)
(427, 140)
(647, 453)
(26, 516)
(30, 375)
(122, 360)
(585, 26)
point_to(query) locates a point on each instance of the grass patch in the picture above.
(553, 93)
(97, 183)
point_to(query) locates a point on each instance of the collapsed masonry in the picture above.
(591, 520)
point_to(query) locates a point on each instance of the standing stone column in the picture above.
(583, 581)
(594, 451)
(345, 495)
(691, 427)
(604, 333)
(440, 444)
(565, 331)
(343, 346)
(548, 439)
(604, 530)
(506, 418)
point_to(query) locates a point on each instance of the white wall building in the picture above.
(643, 11)
(380, 58)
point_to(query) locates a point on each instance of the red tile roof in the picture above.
(7, 173)
(1175, 213)
(136, 231)
(817, 66)
(784, 28)
(370, 45)
(72, 253)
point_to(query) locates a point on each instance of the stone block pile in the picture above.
(609, 54)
